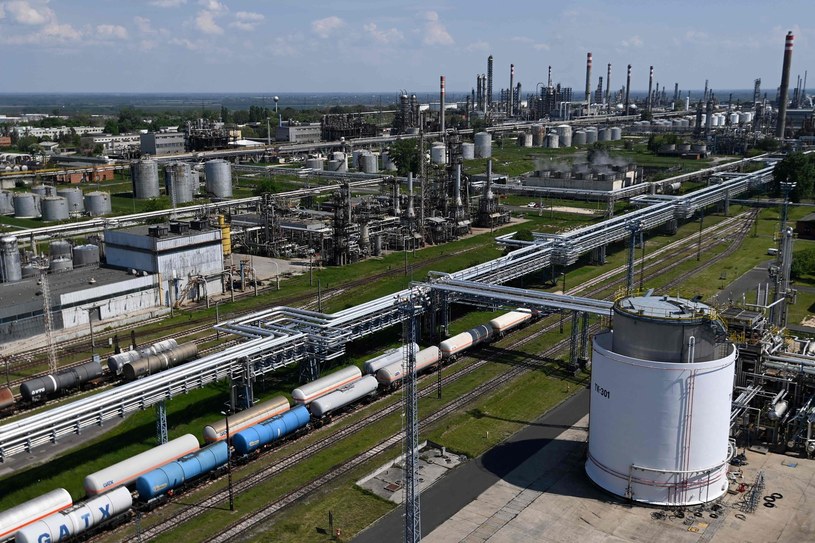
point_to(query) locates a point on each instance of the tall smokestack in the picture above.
(608, 86)
(510, 110)
(627, 89)
(411, 213)
(588, 81)
(648, 103)
(458, 185)
(704, 98)
(488, 194)
(676, 92)
(781, 124)
(489, 81)
(549, 81)
(441, 105)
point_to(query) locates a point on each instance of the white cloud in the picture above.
(383, 36)
(30, 13)
(541, 46)
(143, 24)
(478, 46)
(205, 22)
(213, 5)
(324, 27)
(48, 34)
(247, 20)
(167, 3)
(111, 31)
(633, 41)
(434, 31)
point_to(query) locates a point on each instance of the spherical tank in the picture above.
(144, 173)
(97, 203)
(26, 205)
(218, 174)
(6, 203)
(483, 145)
(178, 182)
(86, 255)
(438, 153)
(661, 395)
(10, 268)
(54, 208)
(74, 197)
(468, 151)
(579, 137)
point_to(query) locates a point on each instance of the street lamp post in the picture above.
(229, 462)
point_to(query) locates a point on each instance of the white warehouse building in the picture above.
(187, 256)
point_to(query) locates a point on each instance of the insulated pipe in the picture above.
(441, 105)
(588, 80)
(785, 85)
(627, 89)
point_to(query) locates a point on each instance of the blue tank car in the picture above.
(159, 481)
(257, 436)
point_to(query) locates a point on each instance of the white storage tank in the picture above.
(591, 135)
(60, 264)
(579, 137)
(178, 182)
(468, 151)
(26, 205)
(337, 165)
(315, 163)
(744, 117)
(525, 140)
(75, 199)
(10, 262)
(564, 133)
(60, 248)
(6, 203)
(438, 153)
(538, 135)
(144, 174)
(86, 255)
(552, 140)
(604, 134)
(483, 145)
(43, 190)
(616, 133)
(97, 203)
(368, 163)
(661, 393)
(54, 208)
(218, 178)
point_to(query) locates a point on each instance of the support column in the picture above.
(583, 357)
(161, 423)
(573, 343)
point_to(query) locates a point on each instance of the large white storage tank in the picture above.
(661, 392)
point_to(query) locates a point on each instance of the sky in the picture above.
(269, 46)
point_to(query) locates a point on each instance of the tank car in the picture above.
(155, 363)
(38, 388)
(322, 386)
(262, 434)
(117, 361)
(19, 516)
(344, 396)
(127, 471)
(79, 519)
(6, 398)
(509, 321)
(170, 476)
(246, 418)
(394, 373)
(394, 355)
(451, 347)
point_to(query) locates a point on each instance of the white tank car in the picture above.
(508, 321)
(246, 418)
(456, 344)
(28, 512)
(322, 386)
(343, 396)
(77, 519)
(127, 471)
(394, 355)
(424, 358)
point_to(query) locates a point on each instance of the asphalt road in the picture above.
(468, 481)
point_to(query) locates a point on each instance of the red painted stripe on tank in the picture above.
(32, 521)
(251, 422)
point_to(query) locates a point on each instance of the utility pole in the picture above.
(229, 462)
(413, 522)
(42, 265)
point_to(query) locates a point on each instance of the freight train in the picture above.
(163, 470)
(128, 365)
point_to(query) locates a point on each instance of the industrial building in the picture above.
(299, 133)
(162, 143)
(114, 145)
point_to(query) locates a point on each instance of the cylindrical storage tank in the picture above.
(552, 140)
(10, 263)
(355, 155)
(75, 199)
(54, 208)
(174, 474)
(155, 363)
(60, 248)
(468, 151)
(97, 203)
(348, 394)
(117, 361)
(337, 166)
(675, 123)
(734, 118)
(661, 395)
(338, 155)
(699, 148)
(394, 355)
(43, 190)
(438, 153)
(322, 386)
(395, 371)
(86, 255)
(744, 117)
(246, 418)
(271, 430)
(683, 147)
(178, 182)
(127, 471)
(369, 163)
(60, 264)
(564, 133)
(315, 163)
(6, 203)
(218, 176)
(591, 135)
(525, 140)
(483, 145)
(144, 174)
(538, 135)
(27, 513)
(616, 133)
(604, 134)
(76, 520)
(26, 205)
(579, 137)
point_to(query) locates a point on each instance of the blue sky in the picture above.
(384, 45)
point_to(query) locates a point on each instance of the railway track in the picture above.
(529, 363)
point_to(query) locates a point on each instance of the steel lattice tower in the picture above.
(413, 516)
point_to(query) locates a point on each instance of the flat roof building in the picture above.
(162, 143)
